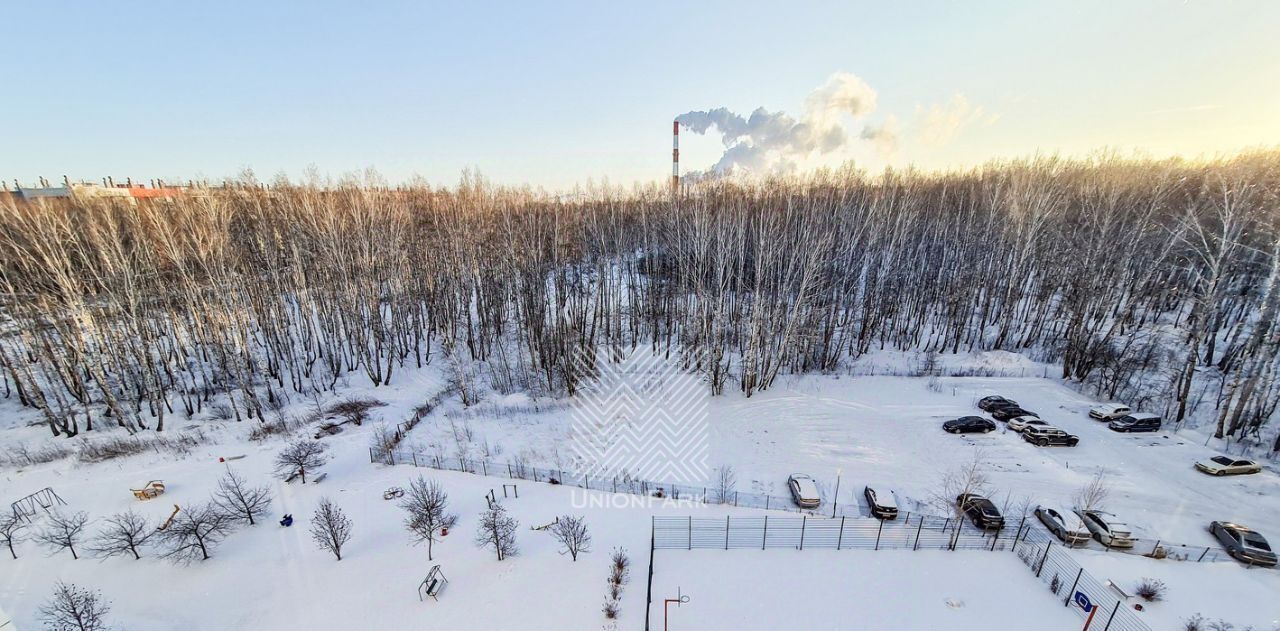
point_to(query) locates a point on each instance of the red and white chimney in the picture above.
(675, 156)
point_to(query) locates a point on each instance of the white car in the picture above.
(1109, 411)
(1065, 525)
(1108, 529)
(1019, 423)
(804, 490)
(1225, 465)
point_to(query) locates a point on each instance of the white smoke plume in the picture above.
(774, 141)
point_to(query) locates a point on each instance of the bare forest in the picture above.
(1154, 282)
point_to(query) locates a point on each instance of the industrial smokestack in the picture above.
(675, 156)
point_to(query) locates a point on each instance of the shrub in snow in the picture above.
(497, 530)
(572, 534)
(124, 533)
(619, 567)
(726, 484)
(355, 409)
(619, 573)
(220, 412)
(330, 528)
(64, 531)
(72, 608)
(611, 608)
(1055, 585)
(1150, 589)
(299, 457)
(1194, 623)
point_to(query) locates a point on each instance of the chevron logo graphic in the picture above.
(641, 418)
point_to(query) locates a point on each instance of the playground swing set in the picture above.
(432, 585)
(44, 499)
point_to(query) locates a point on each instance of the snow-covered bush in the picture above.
(1151, 589)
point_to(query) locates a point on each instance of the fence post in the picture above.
(878, 531)
(484, 467)
(371, 454)
(1206, 551)
(1071, 592)
(1113, 616)
(1043, 559)
(1154, 548)
(764, 536)
(804, 521)
(918, 529)
(735, 498)
(649, 594)
(691, 532)
(726, 532)
(766, 503)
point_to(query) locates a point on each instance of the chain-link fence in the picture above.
(1076, 588)
(918, 532)
(519, 470)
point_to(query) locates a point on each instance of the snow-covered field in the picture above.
(749, 590)
(883, 429)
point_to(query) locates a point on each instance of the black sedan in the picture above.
(987, 404)
(1004, 414)
(981, 511)
(1246, 546)
(969, 425)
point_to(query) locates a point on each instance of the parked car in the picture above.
(1064, 525)
(981, 511)
(1021, 423)
(969, 425)
(1004, 414)
(1243, 544)
(1107, 528)
(1223, 465)
(1136, 422)
(1109, 411)
(804, 490)
(1045, 435)
(987, 404)
(882, 501)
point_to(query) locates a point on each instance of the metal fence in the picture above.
(920, 532)
(1076, 588)
(521, 471)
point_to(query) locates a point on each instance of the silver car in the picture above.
(804, 490)
(1107, 528)
(1064, 525)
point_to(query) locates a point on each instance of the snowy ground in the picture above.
(1240, 596)
(879, 428)
(746, 590)
(267, 576)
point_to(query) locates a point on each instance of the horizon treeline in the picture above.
(1149, 281)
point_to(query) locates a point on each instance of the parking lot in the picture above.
(888, 430)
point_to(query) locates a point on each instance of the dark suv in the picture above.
(1136, 422)
(1043, 436)
(969, 425)
(980, 511)
(1004, 414)
(987, 404)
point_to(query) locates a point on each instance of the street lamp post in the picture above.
(835, 501)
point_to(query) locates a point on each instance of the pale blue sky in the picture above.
(553, 94)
